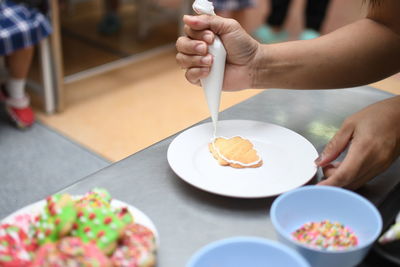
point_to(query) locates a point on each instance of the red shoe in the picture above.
(20, 112)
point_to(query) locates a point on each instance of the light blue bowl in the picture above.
(246, 252)
(317, 203)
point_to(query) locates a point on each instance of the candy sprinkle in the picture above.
(326, 235)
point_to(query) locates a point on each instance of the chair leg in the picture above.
(47, 74)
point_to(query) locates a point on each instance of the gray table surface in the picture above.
(188, 218)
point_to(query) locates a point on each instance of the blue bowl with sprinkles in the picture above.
(314, 204)
(246, 251)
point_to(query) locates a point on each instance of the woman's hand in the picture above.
(373, 139)
(240, 47)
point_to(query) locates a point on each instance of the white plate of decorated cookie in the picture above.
(89, 230)
(247, 159)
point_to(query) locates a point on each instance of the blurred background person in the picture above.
(111, 21)
(235, 9)
(21, 28)
(273, 30)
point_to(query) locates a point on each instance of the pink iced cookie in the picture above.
(133, 257)
(139, 235)
(70, 251)
(138, 248)
(24, 221)
(15, 246)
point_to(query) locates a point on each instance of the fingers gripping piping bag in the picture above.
(212, 84)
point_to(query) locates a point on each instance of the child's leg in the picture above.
(315, 13)
(18, 64)
(110, 22)
(17, 103)
(277, 16)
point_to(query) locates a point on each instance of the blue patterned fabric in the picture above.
(20, 27)
(225, 5)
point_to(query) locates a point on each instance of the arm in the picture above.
(360, 53)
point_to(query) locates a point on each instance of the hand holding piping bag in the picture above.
(212, 84)
(242, 51)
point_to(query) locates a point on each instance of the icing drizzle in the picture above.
(231, 161)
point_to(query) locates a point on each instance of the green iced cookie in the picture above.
(56, 220)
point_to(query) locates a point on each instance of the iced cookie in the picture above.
(138, 248)
(236, 152)
(98, 197)
(124, 215)
(100, 225)
(135, 256)
(16, 249)
(56, 220)
(70, 251)
(139, 235)
(24, 221)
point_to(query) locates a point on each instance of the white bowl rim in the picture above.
(250, 239)
(340, 190)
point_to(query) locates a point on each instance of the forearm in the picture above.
(360, 53)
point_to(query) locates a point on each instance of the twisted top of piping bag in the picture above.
(203, 7)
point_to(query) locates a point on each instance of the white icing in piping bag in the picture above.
(212, 84)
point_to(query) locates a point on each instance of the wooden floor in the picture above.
(125, 110)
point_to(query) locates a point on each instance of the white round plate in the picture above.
(138, 215)
(288, 160)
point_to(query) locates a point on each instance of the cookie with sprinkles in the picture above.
(100, 225)
(16, 248)
(98, 197)
(24, 221)
(70, 251)
(124, 214)
(56, 220)
(138, 248)
(137, 256)
(139, 235)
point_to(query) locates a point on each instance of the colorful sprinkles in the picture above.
(326, 235)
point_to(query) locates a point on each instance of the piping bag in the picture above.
(212, 84)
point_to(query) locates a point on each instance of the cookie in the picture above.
(124, 215)
(236, 152)
(70, 251)
(56, 220)
(24, 221)
(98, 197)
(138, 247)
(136, 256)
(139, 235)
(16, 248)
(101, 225)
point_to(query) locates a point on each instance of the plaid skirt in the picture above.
(231, 5)
(20, 27)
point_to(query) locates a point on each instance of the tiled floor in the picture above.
(128, 109)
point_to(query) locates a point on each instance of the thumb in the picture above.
(335, 146)
(216, 24)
